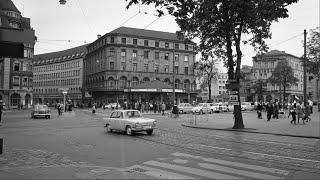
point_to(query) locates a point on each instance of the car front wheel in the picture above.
(150, 131)
(129, 131)
(109, 130)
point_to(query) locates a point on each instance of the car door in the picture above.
(112, 120)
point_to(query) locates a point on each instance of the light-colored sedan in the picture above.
(247, 106)
(185, 108)
(219, 107)
(129, 121)
(202, 108)
(41, 110)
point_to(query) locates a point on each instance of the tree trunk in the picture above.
(317, 89)
(209, 88)
(284, 95)
(238, 121)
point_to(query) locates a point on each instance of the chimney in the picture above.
(98, 36)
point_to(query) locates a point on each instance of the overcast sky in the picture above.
(60, 27)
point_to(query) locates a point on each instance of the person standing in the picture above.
(269, 110)
(276, 109)
(94, 108)
(299, 112)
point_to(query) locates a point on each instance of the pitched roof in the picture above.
(64, 55)
(155, 84)
(146, 33)
(8, 5)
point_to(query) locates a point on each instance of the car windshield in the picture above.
(133, 114)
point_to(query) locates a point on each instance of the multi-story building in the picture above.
(16, 73)
(123, 59)
(219, 91)
(56, 72)
(264, 65)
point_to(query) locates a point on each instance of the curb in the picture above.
(239, 130)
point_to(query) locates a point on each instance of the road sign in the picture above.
(233, 98)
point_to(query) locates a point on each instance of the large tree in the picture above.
(220, 25)
(313, 52)
(283, 76)
(206, 71)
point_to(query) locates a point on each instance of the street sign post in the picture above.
(233, 98)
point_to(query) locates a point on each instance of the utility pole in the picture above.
(305, 70)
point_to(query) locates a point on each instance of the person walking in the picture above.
(94, 108)
(300, 112)
(259, 110)
(163, 108)
(0, 110)
(293, 113)
(269, 110)
(307, 112)
(58, 108)
(276, 109)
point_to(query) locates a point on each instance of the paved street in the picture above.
(75, 145)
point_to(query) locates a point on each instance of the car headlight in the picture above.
(137, 125)
(154, 123)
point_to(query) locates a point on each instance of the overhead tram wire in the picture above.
(281, 42)
(86, 19)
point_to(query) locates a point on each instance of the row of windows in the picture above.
(22, 66)
(72, 73)
(56, 90)
(55, 67)
(12, 14)
(28, 53)
(25, 81)
(64, 82)
(140, 42)
(134, 68)
(261, 65)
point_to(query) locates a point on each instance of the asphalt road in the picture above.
(76, 145)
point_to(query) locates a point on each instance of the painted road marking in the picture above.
(250, 174)
(195, 171)
(158, 173)
(249, 152)
(230, 163)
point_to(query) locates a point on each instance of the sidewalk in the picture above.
(252, 124)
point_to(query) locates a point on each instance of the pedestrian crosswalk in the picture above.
(186, 166)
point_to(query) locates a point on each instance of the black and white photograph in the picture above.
(160, 89)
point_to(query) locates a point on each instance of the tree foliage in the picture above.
(221, 24)
(313, 52)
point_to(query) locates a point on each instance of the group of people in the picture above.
(296, 110)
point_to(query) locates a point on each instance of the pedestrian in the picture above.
(259, 110)
(308, 112)
(58, 108)
(276, 109)
(293, 113)
(94, 108)
(300, 112)
(269, 110)
(0, 110)
(163, 108)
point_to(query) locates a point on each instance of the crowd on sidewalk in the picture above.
(296, 110)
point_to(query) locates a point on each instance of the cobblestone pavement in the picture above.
(78, 133)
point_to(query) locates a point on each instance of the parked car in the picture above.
(185, 108)
(202, 108)
(41, 110)
(218, 107)
(112, 106)
(247, 106)
(129, 121)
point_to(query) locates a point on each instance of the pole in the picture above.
(304, 69)
(64, 102)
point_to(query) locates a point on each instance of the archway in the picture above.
(27, 99)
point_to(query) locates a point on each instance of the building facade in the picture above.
(264, 65)
(56, 72)
(16, 79)
(127, 57)
(246, 83)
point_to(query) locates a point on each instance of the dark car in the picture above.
(40, 110)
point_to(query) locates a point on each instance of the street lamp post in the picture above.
(173, 78)
(64, 92)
